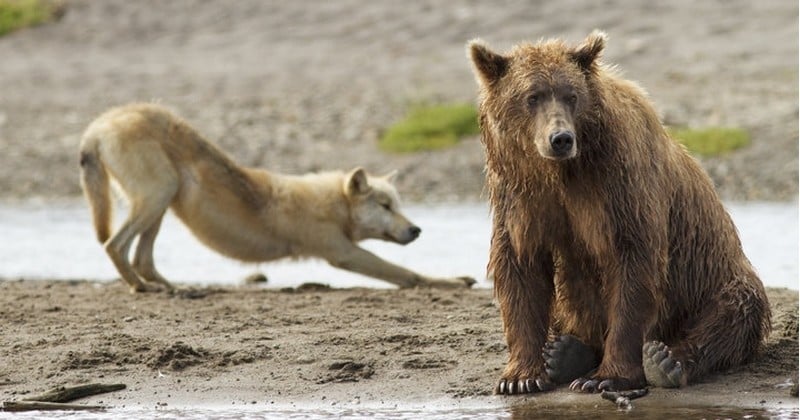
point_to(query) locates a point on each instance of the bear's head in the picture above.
(535, 95)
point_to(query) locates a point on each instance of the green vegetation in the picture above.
(429, 127)
(711, 141)
(16, 14)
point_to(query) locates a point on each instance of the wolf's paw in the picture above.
(566, 358)
(454, 283)
(516, 386)
(146, 288)
(660, 368)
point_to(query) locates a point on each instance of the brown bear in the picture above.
(615, 264)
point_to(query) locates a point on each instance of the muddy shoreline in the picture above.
(311, 346)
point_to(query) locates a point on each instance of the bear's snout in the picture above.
(562, 142)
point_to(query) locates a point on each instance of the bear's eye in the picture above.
(572, 98)
(533, 99)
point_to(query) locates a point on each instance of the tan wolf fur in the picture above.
(249, 214)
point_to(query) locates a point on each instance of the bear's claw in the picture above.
(522, 386)
(660, 367)
(592, 385)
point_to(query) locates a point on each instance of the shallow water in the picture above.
(57, 242)
(602, 411)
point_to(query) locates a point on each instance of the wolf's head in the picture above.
(374, 209)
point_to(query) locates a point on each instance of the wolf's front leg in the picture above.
(348, 256)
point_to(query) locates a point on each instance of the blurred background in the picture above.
(312, 85)
(316, 85)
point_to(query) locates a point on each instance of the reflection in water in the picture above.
(528, 411)
(609, 411)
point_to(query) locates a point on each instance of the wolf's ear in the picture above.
(489, 66)
(586, 54)
(390, 176)
(356, 182)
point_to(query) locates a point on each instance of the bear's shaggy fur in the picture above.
(605, 229)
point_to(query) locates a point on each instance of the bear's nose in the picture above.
(414, 231)
(562, 141)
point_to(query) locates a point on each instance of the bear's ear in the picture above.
(587, 53)
(489, 66)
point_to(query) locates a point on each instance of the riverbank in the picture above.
(309, 347)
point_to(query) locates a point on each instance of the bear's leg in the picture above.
(578, 328)
(630, 311)
(727, 332)
(567, 358)
(524, 289)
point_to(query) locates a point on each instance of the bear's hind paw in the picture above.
(661, 368)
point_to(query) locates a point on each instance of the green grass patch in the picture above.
(430, 127)
(17, 14)
(711, 141)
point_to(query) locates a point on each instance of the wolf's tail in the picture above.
(96, 188)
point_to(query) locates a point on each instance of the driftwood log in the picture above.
(67, 394)
(45, 406)
(56, 398)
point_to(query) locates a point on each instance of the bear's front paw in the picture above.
(598, 384)
(515, 386)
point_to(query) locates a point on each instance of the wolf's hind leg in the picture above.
(118, 246)
(143, 262)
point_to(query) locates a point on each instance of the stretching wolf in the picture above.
(249, 214)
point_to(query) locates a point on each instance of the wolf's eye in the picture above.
(386, 206)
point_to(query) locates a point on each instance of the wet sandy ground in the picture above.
(332, 348)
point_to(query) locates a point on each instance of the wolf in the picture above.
(160, 162)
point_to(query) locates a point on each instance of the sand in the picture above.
(310, 346)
